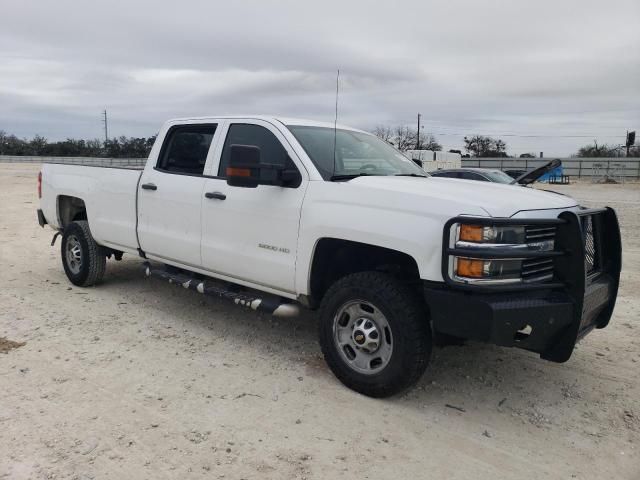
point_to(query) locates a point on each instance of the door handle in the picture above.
(218, 195)
(149, 186)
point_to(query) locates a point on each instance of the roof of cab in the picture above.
(270, 118)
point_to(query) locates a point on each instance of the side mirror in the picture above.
(243, 169)
(289, 177)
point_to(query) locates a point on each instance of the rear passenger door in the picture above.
(170, 195)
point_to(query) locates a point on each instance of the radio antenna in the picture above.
(335, 123)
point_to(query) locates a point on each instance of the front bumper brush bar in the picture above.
(547, 317)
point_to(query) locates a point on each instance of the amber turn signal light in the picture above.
(238, 172)
(471, 233)
(470, 268)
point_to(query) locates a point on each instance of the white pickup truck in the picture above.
(275, 213)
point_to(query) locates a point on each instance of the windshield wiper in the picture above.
(410, 175)
(350, 176)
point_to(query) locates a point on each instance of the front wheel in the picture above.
(374, 333)
(84, 261)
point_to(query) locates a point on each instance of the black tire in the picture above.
(407, 318)
(90, 269)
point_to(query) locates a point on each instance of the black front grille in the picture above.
(539, 233)
(590, 252)
(539, 269)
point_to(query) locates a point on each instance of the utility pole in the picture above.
(627, 143)
(106, 126)
(631, 140)
(418, 135)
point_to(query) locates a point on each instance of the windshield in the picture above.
(498, 176)
(356, 153)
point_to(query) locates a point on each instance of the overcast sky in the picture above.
(553, 68)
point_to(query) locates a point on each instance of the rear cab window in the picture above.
(185, 149)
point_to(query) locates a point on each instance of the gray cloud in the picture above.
(531, 68)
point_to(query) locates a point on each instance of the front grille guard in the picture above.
(587, 259)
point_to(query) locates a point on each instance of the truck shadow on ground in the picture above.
(472, 376)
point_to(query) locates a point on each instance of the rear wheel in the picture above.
(84, 261)
(374, 333)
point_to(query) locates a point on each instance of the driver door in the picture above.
(251, 234)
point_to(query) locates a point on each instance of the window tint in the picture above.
(185, 149)
(271, 150)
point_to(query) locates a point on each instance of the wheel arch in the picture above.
(334, 258)
(69, 209)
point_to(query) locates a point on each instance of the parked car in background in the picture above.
(494, 175)
(515, 173)
(480, 174)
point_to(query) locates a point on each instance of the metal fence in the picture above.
(93, 161)
(588, 168)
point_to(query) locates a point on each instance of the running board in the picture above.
(271, 305)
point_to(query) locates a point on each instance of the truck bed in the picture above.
(108, 192)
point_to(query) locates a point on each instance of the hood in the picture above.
(498, 200)
(531, 176)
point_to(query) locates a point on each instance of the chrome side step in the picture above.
(269, 303)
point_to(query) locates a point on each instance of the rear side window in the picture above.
(271, 150)
(185, 149)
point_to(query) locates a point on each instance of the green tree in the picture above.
(127, 147)
(482, 146)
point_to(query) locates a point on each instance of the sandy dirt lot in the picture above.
(140, 379)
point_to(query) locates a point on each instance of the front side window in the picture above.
(340, 153)
(271, 150)
(185, 149)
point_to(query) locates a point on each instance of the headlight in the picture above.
(492, 234)
(507, 252)
(488, 269)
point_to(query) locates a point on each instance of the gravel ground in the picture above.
(139, 379)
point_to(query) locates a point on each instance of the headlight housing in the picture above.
(485, 251)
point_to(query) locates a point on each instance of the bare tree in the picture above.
(428, 142)
(404, 137)
(603, 150)
(384, 132)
